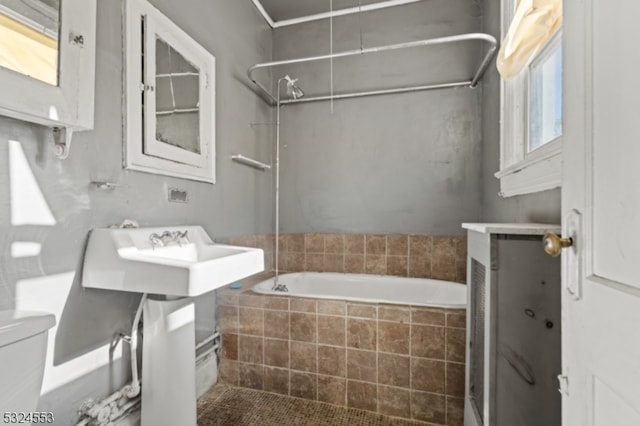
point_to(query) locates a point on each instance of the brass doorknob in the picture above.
(554, 244)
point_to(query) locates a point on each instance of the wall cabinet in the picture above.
(170, 98)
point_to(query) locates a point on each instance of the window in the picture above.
(170, 103)
(545, 97)
(531, 121)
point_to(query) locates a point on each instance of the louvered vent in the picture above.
(476, 379)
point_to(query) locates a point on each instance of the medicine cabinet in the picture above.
(47, 64)
(170, 98)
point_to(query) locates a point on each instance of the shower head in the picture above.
(293, 91)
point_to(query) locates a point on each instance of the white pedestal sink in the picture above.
(170, 270)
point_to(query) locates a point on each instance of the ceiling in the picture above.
(284, 10)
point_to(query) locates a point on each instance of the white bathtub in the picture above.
(370, 288)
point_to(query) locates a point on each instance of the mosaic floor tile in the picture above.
(224, 405)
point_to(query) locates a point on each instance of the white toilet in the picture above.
(23, 349)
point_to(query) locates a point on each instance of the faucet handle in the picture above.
(155, 240)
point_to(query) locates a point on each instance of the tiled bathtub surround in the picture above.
(420, 256)
(396, 360)
(266, 242)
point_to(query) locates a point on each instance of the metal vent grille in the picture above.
(476, 379)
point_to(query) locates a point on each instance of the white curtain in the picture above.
(534, 22)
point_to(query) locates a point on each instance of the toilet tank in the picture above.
(23, 349)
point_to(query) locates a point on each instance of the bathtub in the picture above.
(370, 289)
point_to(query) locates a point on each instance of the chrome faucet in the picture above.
(168, 237)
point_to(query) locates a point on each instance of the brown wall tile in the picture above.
(456, 344)
(332, 390)
(314, 262)
(251, 376)
(304, 357)
(295, 262)
(283, 245)
(443, 265)
(295, 242)
(303, 327)
(427, 316)
(303, 385)
(398, 266)
(251, 301)
(455, 380)
(228, 318)
(314, 243)
(394, 401)
(376, 244)
(354, 263)
(393, 337)
(428, 341)
(331, 330)
(334, 263)
(298, 304)
(282, 260)
(397, 245)
(354, 244)
(428, 407)
(420, 246)
(419, 267)
(362, 395)
(276, 303)
(375, 264)
(250, 349)
(332, 361)
(230, 346)
(457, 318)
(276, 353)
(229, 371)
(276, 380)
(227, 299)
(397, 313)
(428, 375)
(276, 324)
(455, 411)
(362, 365)
(251, 321)
(361, 334)
(334, 243)
(359, 310)
(331, 307)
(393, 370)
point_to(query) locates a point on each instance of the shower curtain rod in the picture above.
(268, 97)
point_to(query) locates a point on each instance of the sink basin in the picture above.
(126, 260)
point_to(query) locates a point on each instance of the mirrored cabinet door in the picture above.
(47, 61)
(171, 126)
(29, 33)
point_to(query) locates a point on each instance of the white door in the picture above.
(601, 211)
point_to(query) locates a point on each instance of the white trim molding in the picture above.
(327, 15)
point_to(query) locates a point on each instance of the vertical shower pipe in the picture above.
(275, 281)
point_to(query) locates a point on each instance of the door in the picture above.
(601, 212)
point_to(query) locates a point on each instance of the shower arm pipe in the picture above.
(427, 42)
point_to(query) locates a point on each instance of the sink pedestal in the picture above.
(169, 363)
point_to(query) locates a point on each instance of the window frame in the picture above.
(523, 172)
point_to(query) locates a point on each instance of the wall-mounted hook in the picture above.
(62, 141)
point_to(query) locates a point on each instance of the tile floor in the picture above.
(225, 405)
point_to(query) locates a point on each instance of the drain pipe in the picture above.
(133, 390)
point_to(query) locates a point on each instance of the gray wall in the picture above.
(541, 207)
(240, 203)
(397, 163)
